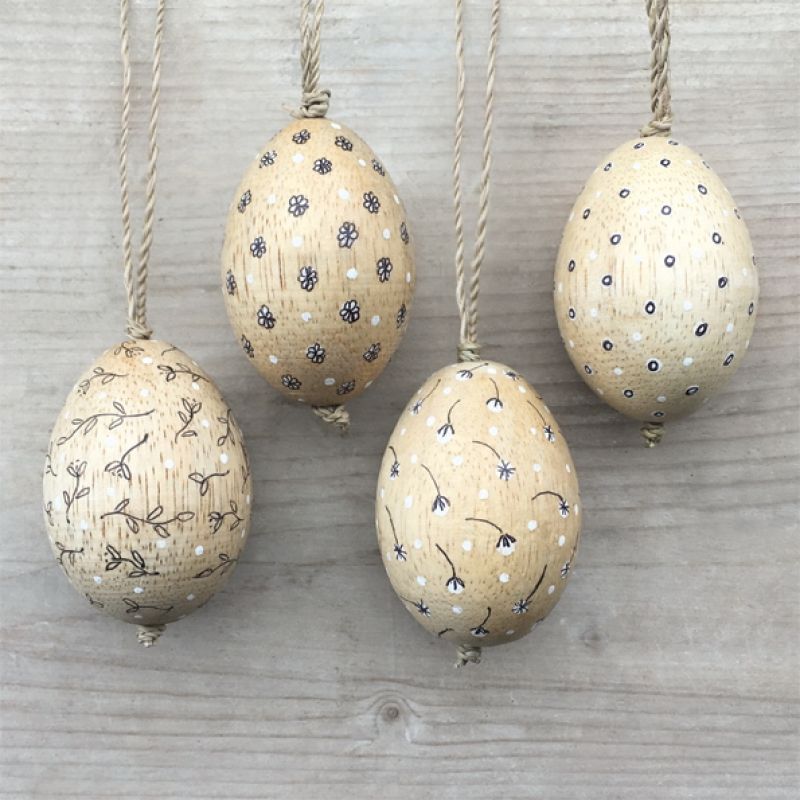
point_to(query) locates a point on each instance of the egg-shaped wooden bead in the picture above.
(477, 509)
(656, 285)
(318, 265)
(146, 485)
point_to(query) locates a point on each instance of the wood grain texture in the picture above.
(669, 668)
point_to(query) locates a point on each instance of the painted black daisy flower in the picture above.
(344, 143)
(346, 387)
(290, 382)
(298, 205)
(400, 552)
(405, 238)
(549, 434)
(378, 167)
(268, 159)
(348, 233)
(371, 202)
(266, 319)
(307, 278)
(505, 471)
(520, 607)
(230, 283)
(384, 269)
(400, 319)
(301, 137)
(372, 352)
(322, 166)
(257, 247)
(315, 353)
(244, 201)
(350, 311)
(247, 347)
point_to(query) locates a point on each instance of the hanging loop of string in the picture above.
(315, 100)
(135, 275)
(467, 288)
(660, 94)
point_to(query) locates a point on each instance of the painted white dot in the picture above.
(387, 234)
(688, 361)
(744, 272)
(504, 577)
(618, 370)
(111, 441)
(329, 381)
(352, 273)
(101, 396)
(273, 359)
(729, 327)
(421, 580)
(562, 541)
(223, 458)
(396, 199)
(169, 463)
(247, 499)
(598, 193)
(409, 501)
(532, 524)
(638, 259)
(111, 491)
(592, 312)
(447, 390)
(249, 277)
(492, 370)
(568, 467)
(537, 467)
(560, 288)
(636, 336)
(414, 458)
(138, 590)
(576, 509)
(271, 200)
(457, 610)
(144, 392)
(599, 390)
(367, 384)
(147, 360)
(161, 544)
(522, 389)
(571, 343)
(376, 320)
(403, 431)
(688, 305)
(199, 550)
(97, 579)
(493, 431)
(551, 589)
(697, 252)
(195, 385)
(643, 211)
(408, 277)
(457, 461)
(510, 632)
(592, 255)
(298, 158)
(637, 165)
(483, 494)
(306, 316)
(205, 423)
(361, 162)
(466, 545)
(336, 126)
(297, 241)
(343, 193)
(418, 544)
(533, 430)
(84, 525)
(661, 399)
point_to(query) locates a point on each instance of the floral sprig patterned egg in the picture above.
(146, 485)
(317, 264)
(656, 286)
(477, 508)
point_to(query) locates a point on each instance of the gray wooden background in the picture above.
(669, 669)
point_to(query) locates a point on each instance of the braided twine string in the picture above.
(315, 100)
(660, 95)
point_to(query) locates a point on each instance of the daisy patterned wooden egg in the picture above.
(656, 285)
(317, 265)
(146, 485)
(477, 508)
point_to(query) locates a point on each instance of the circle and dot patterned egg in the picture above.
(477, 509)
(656, 284)
(146, 485)
(317, 265)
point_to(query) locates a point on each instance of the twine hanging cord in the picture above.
(315, 100)
(135, 276)
(468, 288)
(660, 94)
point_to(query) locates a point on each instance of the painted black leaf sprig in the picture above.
(217, 518)
(98, 374)
(191, 408)
(225, 563)
(133, 607)
(120, 468)
(75, 470)
(204, 481)
(170, 373)
(115, 559)
(88, 424)
(66, 553)
(227, 435)
(154, 518)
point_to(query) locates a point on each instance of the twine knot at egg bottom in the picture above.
(334, 415)
(313, 105)
(652, 432)
(469, 351)
(466, 654)
(148, 634)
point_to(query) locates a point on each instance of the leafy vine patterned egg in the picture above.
(146, 485)
(477, 509)
(656, 284)
(317, 265)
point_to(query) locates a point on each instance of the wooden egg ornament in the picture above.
(656, 286)
(477, 509)
(146, 486)
(317, 264)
